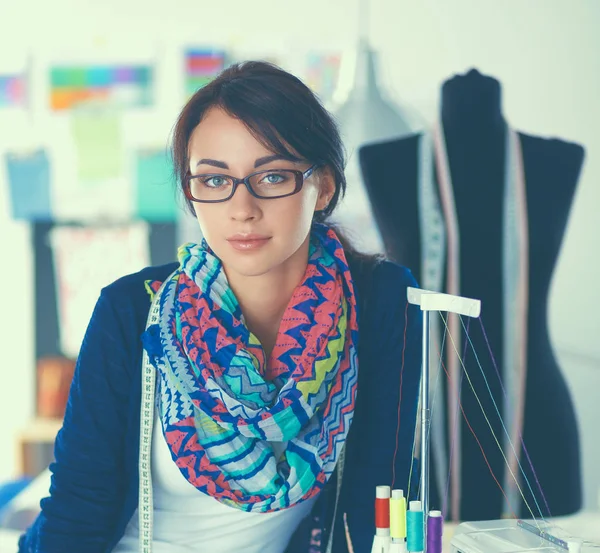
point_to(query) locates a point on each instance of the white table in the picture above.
(583, 525)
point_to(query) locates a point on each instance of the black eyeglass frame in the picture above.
(300, 176)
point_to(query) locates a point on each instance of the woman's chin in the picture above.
(246, 265)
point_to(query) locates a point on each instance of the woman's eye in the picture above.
(273, 178)
(215, 182)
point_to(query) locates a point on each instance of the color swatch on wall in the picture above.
(97, 139)
(322, 74)
(12, 91)
(155, 190)
(201, 67)
(110, 86)
(29, 184)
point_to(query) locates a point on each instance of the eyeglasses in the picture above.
(265, 185)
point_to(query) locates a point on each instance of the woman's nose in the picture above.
(243, 205)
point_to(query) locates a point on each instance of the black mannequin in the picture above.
(474, 129)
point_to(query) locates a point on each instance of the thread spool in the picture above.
(414, 527)
(382, 511)
(398, 515)
(397, 547)
(381, 540)
(435, 526)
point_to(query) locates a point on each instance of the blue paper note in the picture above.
(155, 190)
(29, 183)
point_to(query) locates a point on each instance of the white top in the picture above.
(186, 520)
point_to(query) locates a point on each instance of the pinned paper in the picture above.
(201, 67)
(102, 85)
(87, 259)
(12, 91)
(155, 190)
(29, 183)
(322, 74)
(98, 144)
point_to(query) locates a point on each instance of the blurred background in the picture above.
(89, 93)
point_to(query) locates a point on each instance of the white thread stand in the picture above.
(433, 301)
(496, 536)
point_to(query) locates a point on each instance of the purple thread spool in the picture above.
(435, 526)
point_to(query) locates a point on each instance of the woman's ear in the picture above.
(326, 188)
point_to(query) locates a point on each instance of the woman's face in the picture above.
(252, 236)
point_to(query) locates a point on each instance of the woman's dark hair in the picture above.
(279, 110)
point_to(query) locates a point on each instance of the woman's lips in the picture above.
(248, 243)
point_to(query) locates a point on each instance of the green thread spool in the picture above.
(414, 527)
(398, 515)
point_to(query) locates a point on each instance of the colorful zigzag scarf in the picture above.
(222, 403)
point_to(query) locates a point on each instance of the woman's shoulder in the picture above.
(380, 278)
(387, 294)
(389, 274)
(127, 300)
(132, 287)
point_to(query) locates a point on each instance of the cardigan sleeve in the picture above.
(87, 485)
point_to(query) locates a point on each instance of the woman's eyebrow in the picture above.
(267, 159)
(260, 161)
(213, 162)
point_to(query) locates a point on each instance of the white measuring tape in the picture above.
(145, 500)
(338, 490)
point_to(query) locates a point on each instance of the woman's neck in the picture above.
(263, 299)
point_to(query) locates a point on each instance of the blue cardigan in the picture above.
(94, 488)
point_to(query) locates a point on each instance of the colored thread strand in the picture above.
(505, 431)
(400, 398)
(490, 426)
(480, 446)
(488, 421)
(520, 434)
(412, 457)
(504, 426)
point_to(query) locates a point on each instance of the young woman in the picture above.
(286, 365)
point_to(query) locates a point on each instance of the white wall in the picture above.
(543, 52)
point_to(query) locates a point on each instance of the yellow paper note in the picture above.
(99, 147)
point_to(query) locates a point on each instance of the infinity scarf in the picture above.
(221, 402)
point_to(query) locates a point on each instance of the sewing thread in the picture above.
(398, 515)
(414, 527)
(435, 523)
(382, 510)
